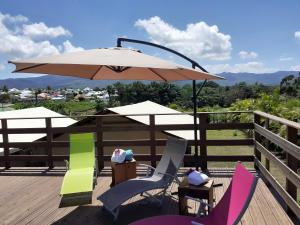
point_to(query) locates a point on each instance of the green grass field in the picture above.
(238, 150)
(227, 150)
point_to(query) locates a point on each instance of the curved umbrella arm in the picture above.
(194, 63)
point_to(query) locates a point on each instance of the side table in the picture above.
(123, 171)
(204, 191)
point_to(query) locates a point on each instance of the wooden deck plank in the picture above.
(278, 212)
(264, 206)
(34, 200)
(42, 209)
(13, 203)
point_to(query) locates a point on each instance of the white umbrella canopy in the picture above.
(111, 64)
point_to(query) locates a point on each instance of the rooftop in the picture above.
(19, 121)
(148, 107)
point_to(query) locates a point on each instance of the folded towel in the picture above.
(118, 155)
(197, 178)
(129, 155)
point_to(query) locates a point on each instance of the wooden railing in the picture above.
(262, 139)
(99, 128)
(260, 126)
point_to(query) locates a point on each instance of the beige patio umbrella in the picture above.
(110, 64)
(117, 64)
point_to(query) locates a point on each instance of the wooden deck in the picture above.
(30, 196)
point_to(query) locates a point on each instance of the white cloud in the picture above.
(248, 55)
(68, 47)
(41, 30)
(297, 35)
(13, 19)
(283, 58)
(249, 67)
(198, 40)
(19, 41)
(295, 68)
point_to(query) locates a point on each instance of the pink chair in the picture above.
(228, 211)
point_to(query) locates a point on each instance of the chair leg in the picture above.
(115, 214)
(163, 196)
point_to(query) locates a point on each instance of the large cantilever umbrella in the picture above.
(113, 64)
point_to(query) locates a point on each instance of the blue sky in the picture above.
(231, 36)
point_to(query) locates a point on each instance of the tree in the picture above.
(100, 106)
(36, 93)
(290, 85)
(110, 91)
(4, 98)
(49, 89)
(5, 89)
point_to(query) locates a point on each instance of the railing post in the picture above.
(257, 138)
(49, 141)
(99, 130)
(5, 143)
(203, 144)
(292, 162)
(188, 152)
(152, 140)
(267, 125)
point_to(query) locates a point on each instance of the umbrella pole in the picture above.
(194, 65)
(196, 158)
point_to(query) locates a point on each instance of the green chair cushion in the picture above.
(82, 151)
(77, 181)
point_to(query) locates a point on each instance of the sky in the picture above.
(223, 36)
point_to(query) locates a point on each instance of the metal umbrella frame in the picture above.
(195, 92)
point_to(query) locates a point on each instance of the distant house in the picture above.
(90, 94)
(14, 91)
(43, 95)
(16, 121)
(87, 89)
(58, 97)
(26, 94)
(102, 95)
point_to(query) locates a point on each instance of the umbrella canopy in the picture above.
(111, 64)
(118, 64)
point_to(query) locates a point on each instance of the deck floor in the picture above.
(30, 196)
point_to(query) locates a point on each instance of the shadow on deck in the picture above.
(30, 196)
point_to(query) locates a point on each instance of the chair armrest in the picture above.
(142, 164)
(67, 164)
(148, 168)
(170, 175)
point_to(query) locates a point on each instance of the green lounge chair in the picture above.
(81, 176)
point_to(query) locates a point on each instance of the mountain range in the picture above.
(74, 82)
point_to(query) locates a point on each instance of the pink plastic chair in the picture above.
(228, 211)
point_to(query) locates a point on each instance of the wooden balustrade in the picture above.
(99, 128)
(262, 139)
